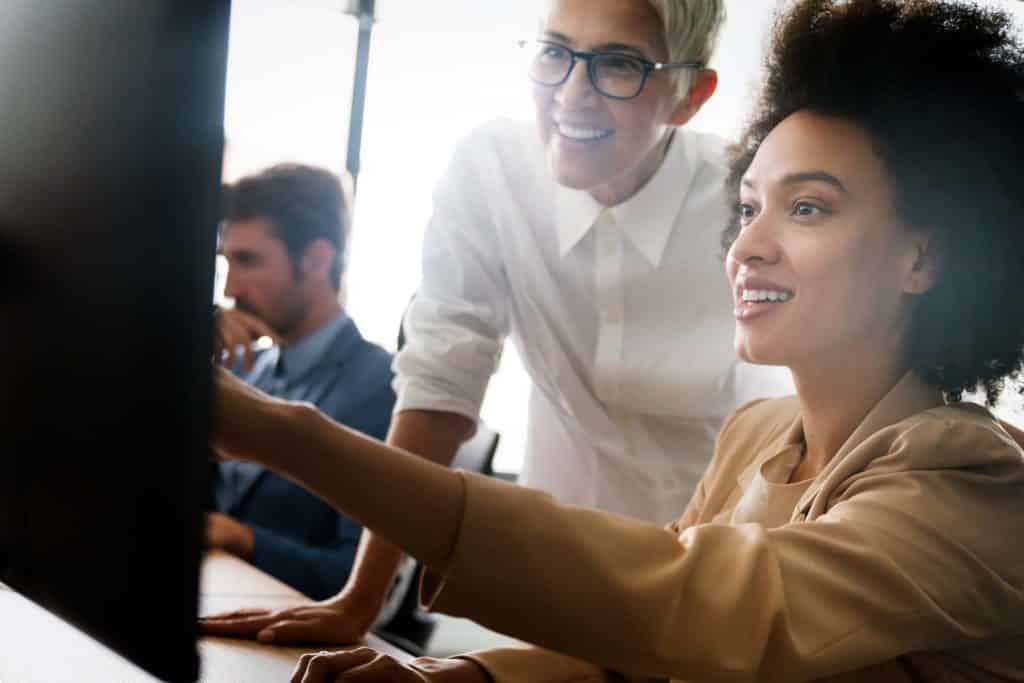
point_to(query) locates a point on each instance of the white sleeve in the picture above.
(458, 321)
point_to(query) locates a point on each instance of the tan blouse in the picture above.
(902, 561)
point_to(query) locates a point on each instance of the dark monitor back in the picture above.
(111, 118)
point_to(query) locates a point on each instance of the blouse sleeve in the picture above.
(457, 323)
(896, 565)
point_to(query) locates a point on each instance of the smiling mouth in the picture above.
(753, 303)
(582, 133)
(766, 296)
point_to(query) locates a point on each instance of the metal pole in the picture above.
(365, 11)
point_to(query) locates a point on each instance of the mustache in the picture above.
(244, 306)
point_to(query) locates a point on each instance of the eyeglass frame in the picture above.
(588, 57)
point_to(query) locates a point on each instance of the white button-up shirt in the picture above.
(622, 317)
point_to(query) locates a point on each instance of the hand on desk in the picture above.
(332, 621)
(365, 665)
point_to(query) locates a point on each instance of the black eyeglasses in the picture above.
(613, 74)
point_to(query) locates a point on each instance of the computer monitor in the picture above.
(111, 133)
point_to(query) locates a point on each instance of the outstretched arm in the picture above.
(346, 617)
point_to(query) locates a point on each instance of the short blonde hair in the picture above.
(691, 32)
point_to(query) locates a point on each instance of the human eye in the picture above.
(621, 65)
(746, 211)
(808, 209)
(549, 52)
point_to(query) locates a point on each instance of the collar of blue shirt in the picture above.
(300, 358)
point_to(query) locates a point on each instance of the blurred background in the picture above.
(436, 70)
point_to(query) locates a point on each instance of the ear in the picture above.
(704, 86)
(925, 265)
(317, 259)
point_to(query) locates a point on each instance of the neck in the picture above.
(623, 187)
(835, 400)
(321, 311)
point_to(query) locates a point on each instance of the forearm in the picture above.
(434, 436)
(412, 502)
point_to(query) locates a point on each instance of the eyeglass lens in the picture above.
(614, 75)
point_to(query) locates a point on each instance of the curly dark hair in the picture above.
(303, 203)
(939, 89)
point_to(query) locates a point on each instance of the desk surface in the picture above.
(40, 648)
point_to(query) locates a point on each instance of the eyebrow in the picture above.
(605, 47)
(805, 177)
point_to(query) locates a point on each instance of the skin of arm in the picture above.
(254, 426)
(226, 533)
(435, 436)
(401, 497)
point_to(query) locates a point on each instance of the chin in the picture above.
(752, 353)
(571, 178)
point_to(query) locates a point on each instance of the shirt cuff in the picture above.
(528, 663)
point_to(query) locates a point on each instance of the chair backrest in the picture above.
(477, 454)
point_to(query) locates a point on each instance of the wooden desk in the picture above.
(37, 647)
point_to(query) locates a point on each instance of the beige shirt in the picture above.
(902, 561)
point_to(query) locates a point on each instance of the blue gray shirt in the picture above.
(299, 538)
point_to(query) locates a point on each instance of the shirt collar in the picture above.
(648, 217)
(909, 396)
(576, 212)
(790, 439)
(302, 356)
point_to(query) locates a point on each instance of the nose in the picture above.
(757, 242)
(232, 283)
(577, 89)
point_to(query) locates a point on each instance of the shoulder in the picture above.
(960, 436)
(708, 152)
(760, 420)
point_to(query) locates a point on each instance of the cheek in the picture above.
(543, 101)
(637, 127)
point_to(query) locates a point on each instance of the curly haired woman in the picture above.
(867, 529)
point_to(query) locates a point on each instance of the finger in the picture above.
(381, 669)
(248, 357)
(227, 334)
(235, 614)
(323, 665)
(242, 627)
(302, 666)
(256, 328)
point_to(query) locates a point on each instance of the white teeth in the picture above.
(574, 133)
(755, 295)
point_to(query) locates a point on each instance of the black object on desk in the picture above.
(110, 154)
